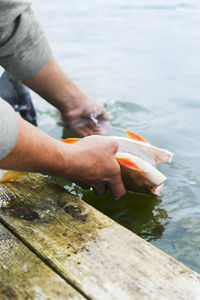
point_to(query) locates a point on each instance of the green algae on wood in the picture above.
(97, 256)
(24, 276)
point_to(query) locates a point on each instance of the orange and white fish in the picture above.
(138, 175)
(139, 147)
(137, 159)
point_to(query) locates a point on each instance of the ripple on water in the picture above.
(158, 6)
(184, 242)
(128, 115)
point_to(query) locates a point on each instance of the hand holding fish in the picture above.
(132, 160)
(138, 160)
(92, 163)
(89, 163)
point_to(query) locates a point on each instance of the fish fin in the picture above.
(128, 163)
(135, 136)
(11, 175)
(157, 189)
(70, 140)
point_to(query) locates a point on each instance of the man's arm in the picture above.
(75, 107)
(90, 162)
(26, 55)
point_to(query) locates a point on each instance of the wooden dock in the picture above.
(55, 246)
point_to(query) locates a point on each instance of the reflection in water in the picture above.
(140, 213)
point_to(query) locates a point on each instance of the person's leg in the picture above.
(18, 96)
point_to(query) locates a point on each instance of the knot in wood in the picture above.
(76, 210)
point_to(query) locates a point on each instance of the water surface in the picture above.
(142, 59)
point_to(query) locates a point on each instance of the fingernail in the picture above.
(94, 119)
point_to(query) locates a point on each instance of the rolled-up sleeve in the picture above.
(8, 128)
(24, 50)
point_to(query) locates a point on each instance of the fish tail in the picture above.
(11, 175)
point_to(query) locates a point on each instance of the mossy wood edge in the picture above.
(99, 257)
(24, 276)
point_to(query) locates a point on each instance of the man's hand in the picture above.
(90, 162)
(87, 117)
(84, 115)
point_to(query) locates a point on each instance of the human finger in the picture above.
(92, 125)
(82, 185)
(116, 187)
(105, 115)
(99, 189)
(87, 130)
(81, 131)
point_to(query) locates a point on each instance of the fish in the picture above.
(138, 160)
(140, 176)
(139, 147)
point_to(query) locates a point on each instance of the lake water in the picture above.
(142, 59)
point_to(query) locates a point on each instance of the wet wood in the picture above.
(99, 257)
(24, 276)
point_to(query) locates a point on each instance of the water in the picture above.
(142, 58)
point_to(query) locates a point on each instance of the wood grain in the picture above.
(24, 276)
(96, 255)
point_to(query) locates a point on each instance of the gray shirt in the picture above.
(24, 51)
(8, 128)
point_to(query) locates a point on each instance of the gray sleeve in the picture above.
(24, 50)
(8, 128)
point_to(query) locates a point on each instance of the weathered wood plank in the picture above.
(98, 256)
(24, 276)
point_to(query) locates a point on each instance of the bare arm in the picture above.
(55, 87)
(90, 162)
(26, 55)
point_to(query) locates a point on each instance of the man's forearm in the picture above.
(52, 84)
(82, 162)
(26, 55)
(75, 107)
(35, 151)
